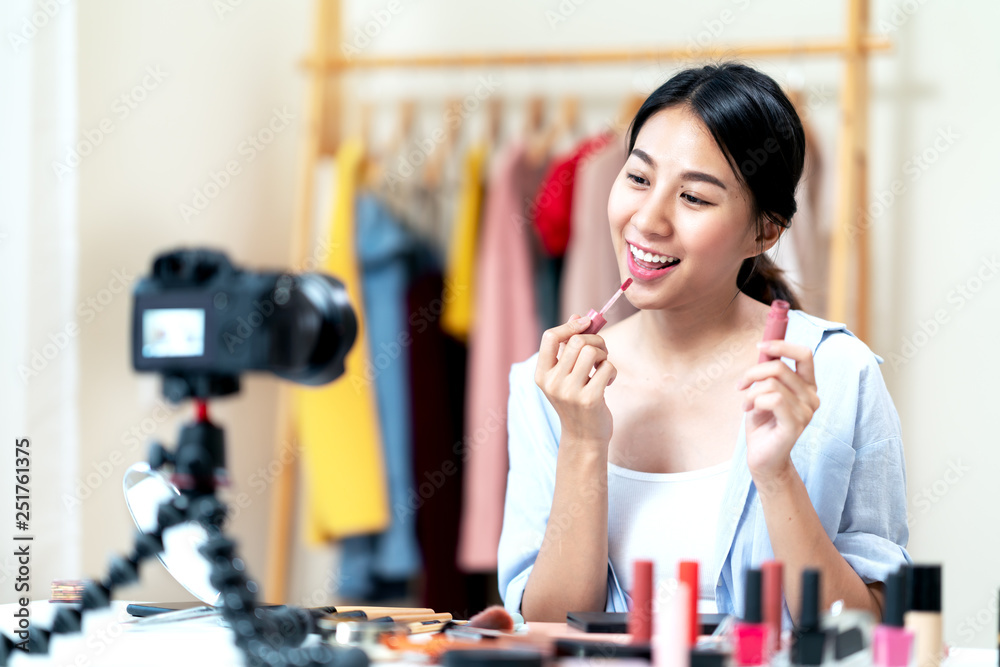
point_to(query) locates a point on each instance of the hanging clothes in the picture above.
(338, 422)
(591, 271)
(552, 218)
(553, 202)
(803, 251)
(504, 330)
(380, 566)
(456, 319)
(438, 366)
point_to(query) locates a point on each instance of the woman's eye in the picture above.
(638, 180)
(693, 199)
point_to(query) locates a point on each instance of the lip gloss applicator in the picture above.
(777, 323)
(597, 320)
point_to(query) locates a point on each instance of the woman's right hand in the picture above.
(565, 379)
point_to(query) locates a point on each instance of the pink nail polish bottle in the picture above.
(893, 643)
(751, 632)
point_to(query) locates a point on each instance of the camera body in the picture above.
(201, 322)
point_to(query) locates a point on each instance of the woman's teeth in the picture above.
(660, 261)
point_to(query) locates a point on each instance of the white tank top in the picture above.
(665, 518)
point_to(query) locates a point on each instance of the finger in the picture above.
(800, 353)
(589, 357)
(602, 378)
(781, 407)
(782, 403)
(571, 351)
(548, 352)
(779, 370)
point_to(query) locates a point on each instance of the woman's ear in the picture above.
(771, 233)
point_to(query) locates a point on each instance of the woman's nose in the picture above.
(654, 217)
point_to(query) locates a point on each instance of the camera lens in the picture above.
(314, 331)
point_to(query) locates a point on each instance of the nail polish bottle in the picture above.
(893, 643)
(751, 633)
(809, 640)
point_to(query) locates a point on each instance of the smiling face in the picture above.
(680, 220)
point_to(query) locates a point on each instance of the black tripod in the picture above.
(267, 636)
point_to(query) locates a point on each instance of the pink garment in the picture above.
(590, 269)
(505, 330)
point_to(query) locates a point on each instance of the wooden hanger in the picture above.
(434, 170)
(535, 132)
(627, 111)
(491, 122)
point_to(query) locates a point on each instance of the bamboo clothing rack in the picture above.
(324, 113)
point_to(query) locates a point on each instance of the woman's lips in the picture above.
(644, 274)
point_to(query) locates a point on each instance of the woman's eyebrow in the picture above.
(703, 177)
(686, 176)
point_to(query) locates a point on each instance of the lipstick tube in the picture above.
(597, 319)
(777, 323)
(640, 619)
(893, 643)
(773, 602)
(688, 574)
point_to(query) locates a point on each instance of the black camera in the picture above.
(201, 322)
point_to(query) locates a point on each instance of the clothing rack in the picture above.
(326, 68)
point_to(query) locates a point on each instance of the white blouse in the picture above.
(665, 518)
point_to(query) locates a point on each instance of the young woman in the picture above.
(662, 437)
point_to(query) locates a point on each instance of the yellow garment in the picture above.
(338, 423)
(458, 276)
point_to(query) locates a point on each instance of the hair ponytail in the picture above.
(761, 279)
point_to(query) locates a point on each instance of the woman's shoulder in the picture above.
(832, 343)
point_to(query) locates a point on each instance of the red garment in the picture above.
(554, 199)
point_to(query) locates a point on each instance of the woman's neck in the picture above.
(682, 335)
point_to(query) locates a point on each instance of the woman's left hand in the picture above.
(781, 402)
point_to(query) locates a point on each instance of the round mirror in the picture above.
(144, 490)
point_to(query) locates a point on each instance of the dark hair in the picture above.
(757, 129)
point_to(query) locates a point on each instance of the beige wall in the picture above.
(225, 75)
(218, 79)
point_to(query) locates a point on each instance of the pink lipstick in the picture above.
(643, 273)
(777, 322)
(597, 320)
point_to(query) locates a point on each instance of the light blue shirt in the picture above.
(850, 458)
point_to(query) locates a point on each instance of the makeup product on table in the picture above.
(688, 574)
(491, 658)
(808, 639)
(773, 602)
(670, 631)
(709, 657)
(605, 622)
(777, 323)
(597, 320)
(616, 622)
(924, 615)
(68, 590)
(893, 643)
(640, 620)
(493, 617)
(750, 632)
(609, 650)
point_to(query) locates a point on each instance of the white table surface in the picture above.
(112, 639)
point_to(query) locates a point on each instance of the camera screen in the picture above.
(173, 332)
